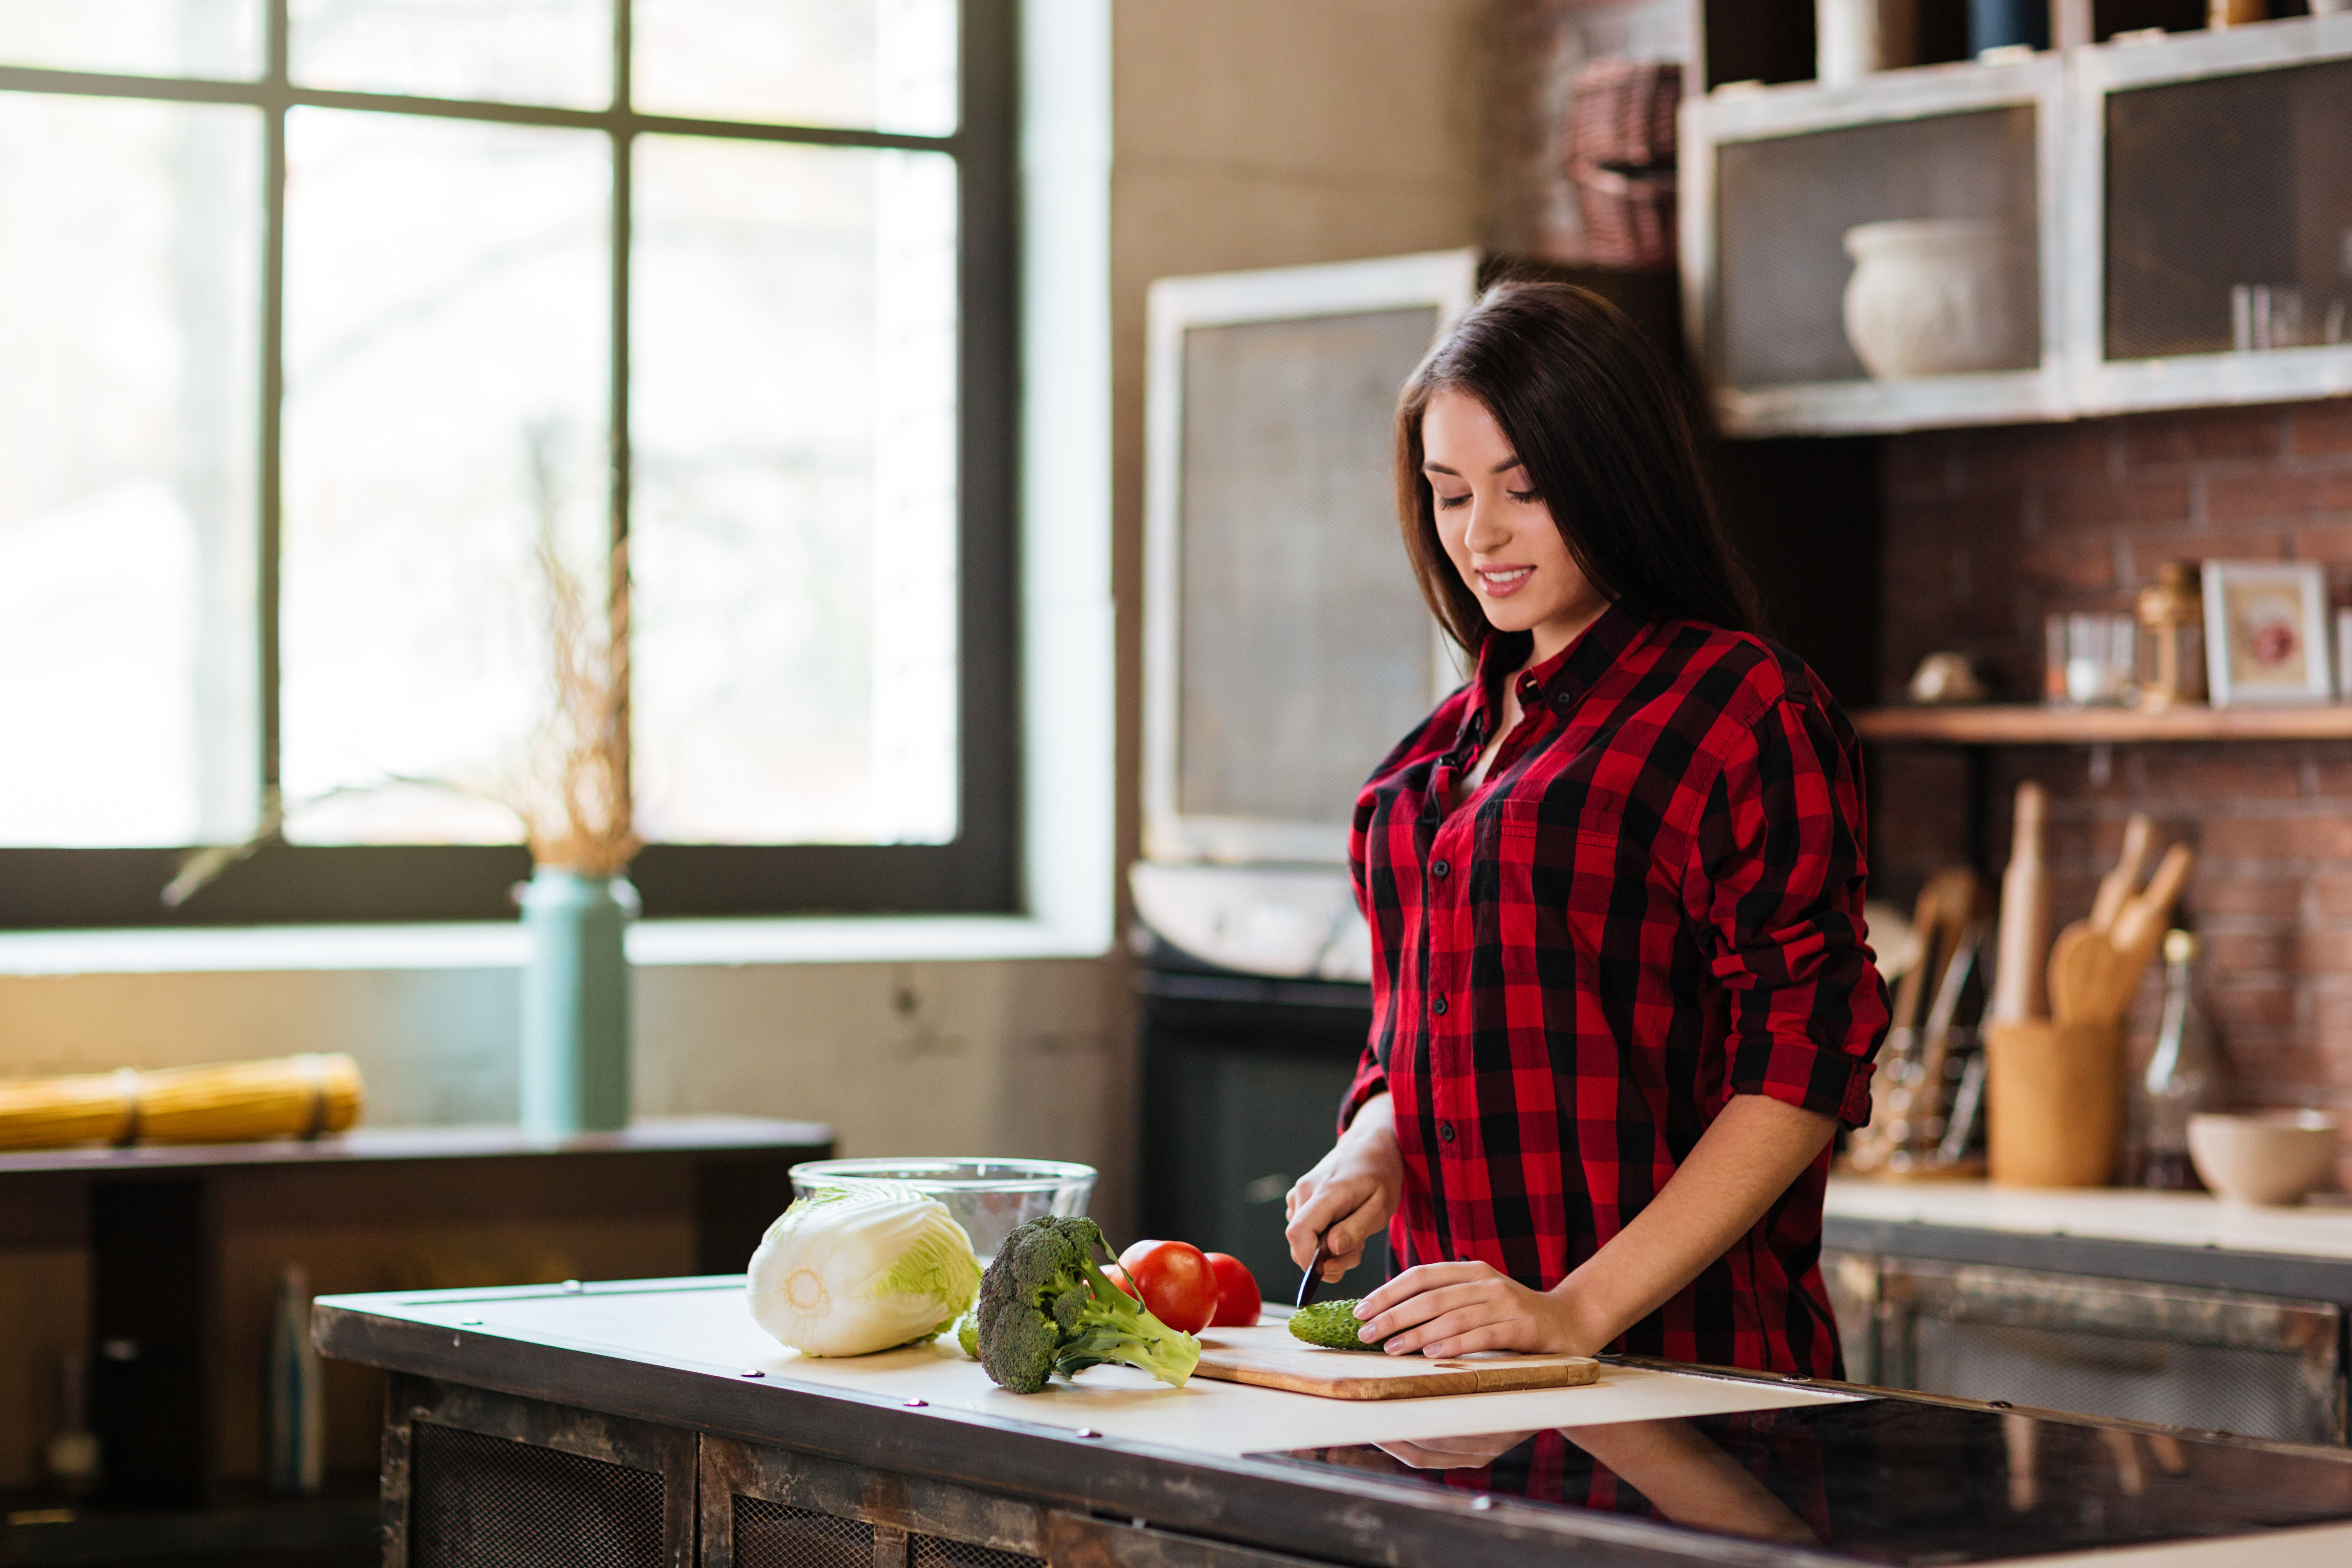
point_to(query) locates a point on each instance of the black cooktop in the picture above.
(1886, 1480)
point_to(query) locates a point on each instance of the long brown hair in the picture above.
(1597, 417)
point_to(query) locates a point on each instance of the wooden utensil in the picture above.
(2141, 921)
(2139, 927)
(2093, 973)
(1270, 1357)
(2082, 968)
(2062, 969)
(2017, 989)
(1951, 899)
(1926, 1089)
(2117, 885)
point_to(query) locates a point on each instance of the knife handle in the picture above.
(1312, 1280)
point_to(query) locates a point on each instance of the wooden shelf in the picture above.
(2024, 724)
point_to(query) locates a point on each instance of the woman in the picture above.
(1621, 994)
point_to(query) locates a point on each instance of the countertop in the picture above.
(378, 1145)
(2174, 1238)
(1265, 1467)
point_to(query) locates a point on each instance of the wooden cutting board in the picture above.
(1269, 1357)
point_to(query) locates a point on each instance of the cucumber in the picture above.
(1331, 1324)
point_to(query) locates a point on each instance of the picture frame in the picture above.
(2344, 656)
(2266, 625)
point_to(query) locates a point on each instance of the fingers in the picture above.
(1430, 1304)
(1323, 1206)
(1348, 1238)
(1488, 1323)
(1412, 1282)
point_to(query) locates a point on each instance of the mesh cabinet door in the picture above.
(475, 1479)
(769, 1508)
(1287, 646)
(2221, 187)
(489, 1502)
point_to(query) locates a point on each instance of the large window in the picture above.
(324, 321)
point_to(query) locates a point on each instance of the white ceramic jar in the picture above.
(1939, 296)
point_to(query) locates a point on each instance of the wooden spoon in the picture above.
(2140, 928)
(2062, 971)
(2083, 972)
(2116, 886)
(2141, 921)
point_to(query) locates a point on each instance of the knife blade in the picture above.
(1312, 1280)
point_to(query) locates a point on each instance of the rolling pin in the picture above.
(2019, 989)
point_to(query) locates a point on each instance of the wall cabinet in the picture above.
(2177, 212)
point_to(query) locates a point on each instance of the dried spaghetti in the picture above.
(221, 1102)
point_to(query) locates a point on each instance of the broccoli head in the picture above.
(1046, 1308)
(1331, 1324)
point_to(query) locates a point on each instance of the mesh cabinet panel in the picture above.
(477, 1502)
(937, 1551)
(1784, 205)
(1298, 610)
(770, 1535)
(2221, 181)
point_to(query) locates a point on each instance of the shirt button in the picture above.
(1445, 1133)
(1440, 869)
(1438, 1007)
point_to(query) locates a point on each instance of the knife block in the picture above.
(2055, 1098)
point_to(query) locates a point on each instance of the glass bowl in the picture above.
(988, 1197)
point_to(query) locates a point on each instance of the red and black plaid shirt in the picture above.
(1651, 902)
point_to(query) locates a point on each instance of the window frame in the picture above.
(978, 872)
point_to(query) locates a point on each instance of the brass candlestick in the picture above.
(2171, 613)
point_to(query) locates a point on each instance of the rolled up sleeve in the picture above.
(1776, 885)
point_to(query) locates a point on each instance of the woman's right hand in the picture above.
(1347, 1197)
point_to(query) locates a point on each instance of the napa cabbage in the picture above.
(863, 1267)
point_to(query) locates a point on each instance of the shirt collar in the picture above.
(1560, 681)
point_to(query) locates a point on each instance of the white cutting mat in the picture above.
(703, 1326)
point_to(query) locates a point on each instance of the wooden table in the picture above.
(183, 1243)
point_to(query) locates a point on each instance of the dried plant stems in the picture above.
(576, 807)
(571, 794)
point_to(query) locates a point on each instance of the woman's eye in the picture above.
(1525, 497)
(1447, 503)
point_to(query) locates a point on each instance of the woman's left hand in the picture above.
(1453, 1309)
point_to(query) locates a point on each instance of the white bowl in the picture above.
(988, 1197)
(2264, 1156)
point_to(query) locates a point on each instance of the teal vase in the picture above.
(575, 1004)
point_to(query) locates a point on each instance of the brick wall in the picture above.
(1986, 531)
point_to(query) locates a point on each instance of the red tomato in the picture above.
(1119, 1276)
(1237, 1293)
(1179, 1287)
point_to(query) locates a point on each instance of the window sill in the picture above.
(810, 938)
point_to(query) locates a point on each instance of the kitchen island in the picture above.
(650, 1422)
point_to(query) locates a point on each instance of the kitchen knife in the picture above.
(1313, 1279)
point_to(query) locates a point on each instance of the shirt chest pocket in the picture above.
(1555, 880)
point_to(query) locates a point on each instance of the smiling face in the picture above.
(1498, 531)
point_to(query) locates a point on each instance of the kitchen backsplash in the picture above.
(1986, 531)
